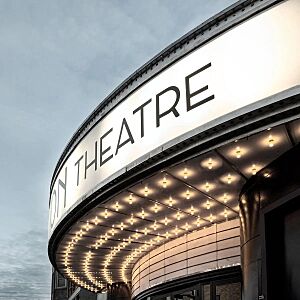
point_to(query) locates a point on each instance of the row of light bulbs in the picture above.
(210, 162)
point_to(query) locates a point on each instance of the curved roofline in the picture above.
(200, 35)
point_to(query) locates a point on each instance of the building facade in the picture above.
(183, 182)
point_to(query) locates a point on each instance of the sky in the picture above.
(58, 60)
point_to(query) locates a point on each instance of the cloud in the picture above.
(24, 268)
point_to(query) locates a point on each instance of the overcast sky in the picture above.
(58, 60)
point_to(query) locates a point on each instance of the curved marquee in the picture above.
(257, 59)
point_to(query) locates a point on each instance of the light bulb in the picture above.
(131, 220)
(207, 187)
(178, 215)
(166, 221)
(167, 234)
(185, 173)
(225, 198)
(254, 170)
(210, 163)
(143, 214)
(170, 201)
(146, 231)
(198, 221)
(164, 182)
(117, 206)
(192, 210)
(186, 226)
(146, 191)
(122, 226)
(155, 225)
(113, 231)
(187, 194)
(238, 152)
(229, 178)
(225, 213)
(271, 141)
(130, 199)
(211, 218)
(96, 220)
(176, 230)
(207, 204)
(155, 208)
(105, 214)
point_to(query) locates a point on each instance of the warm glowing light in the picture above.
(131, 219)
(271, 141)
(130, 199)
(229, 178)
(238, 152)
(253, 169)
(113, 230)
(185, 173)
(207, 187)
(155, 208)
(166, 221)
(145, 231)
(225, 197)
(187, 194)
(117, 206)
(211, 218)
(207, 204)
(176, 230)
(225, 213)
(122, 226)
(186, 226)
(105, 214)
(164, 182)
(192, 210)
(143, 213)
(146, 191)
(198, 221)
(155, 225)
(170, 201)
(178, 215)
(210, 163)
(267, 175)
(87, 226)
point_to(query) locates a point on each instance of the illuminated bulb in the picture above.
(166, 221)
(155, 225)
(164, 182)
(185, 173)
(158, 238)
(187, 194)
(225, 213)
(80, 232)
(136, 235)
(105, 214)
(225, 198)
(106, 236)
(131, 219)
(192, 210)
(210, 163)
(178, 215)
(207, 204)
(113, 230)
(271, 141)
(87, 226)
(254, 170)
(171, 201)
(117, 206)
(122, 226)
(130, 199)
(143, 214)
(167, 234)
(155, 208)
(198, 221)
(186, 226)
(176, 230)
(211, 218)
(207, 187)
(229, 178)
(238, 152)
(146, 191)
(96, 220)
(145, 231)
